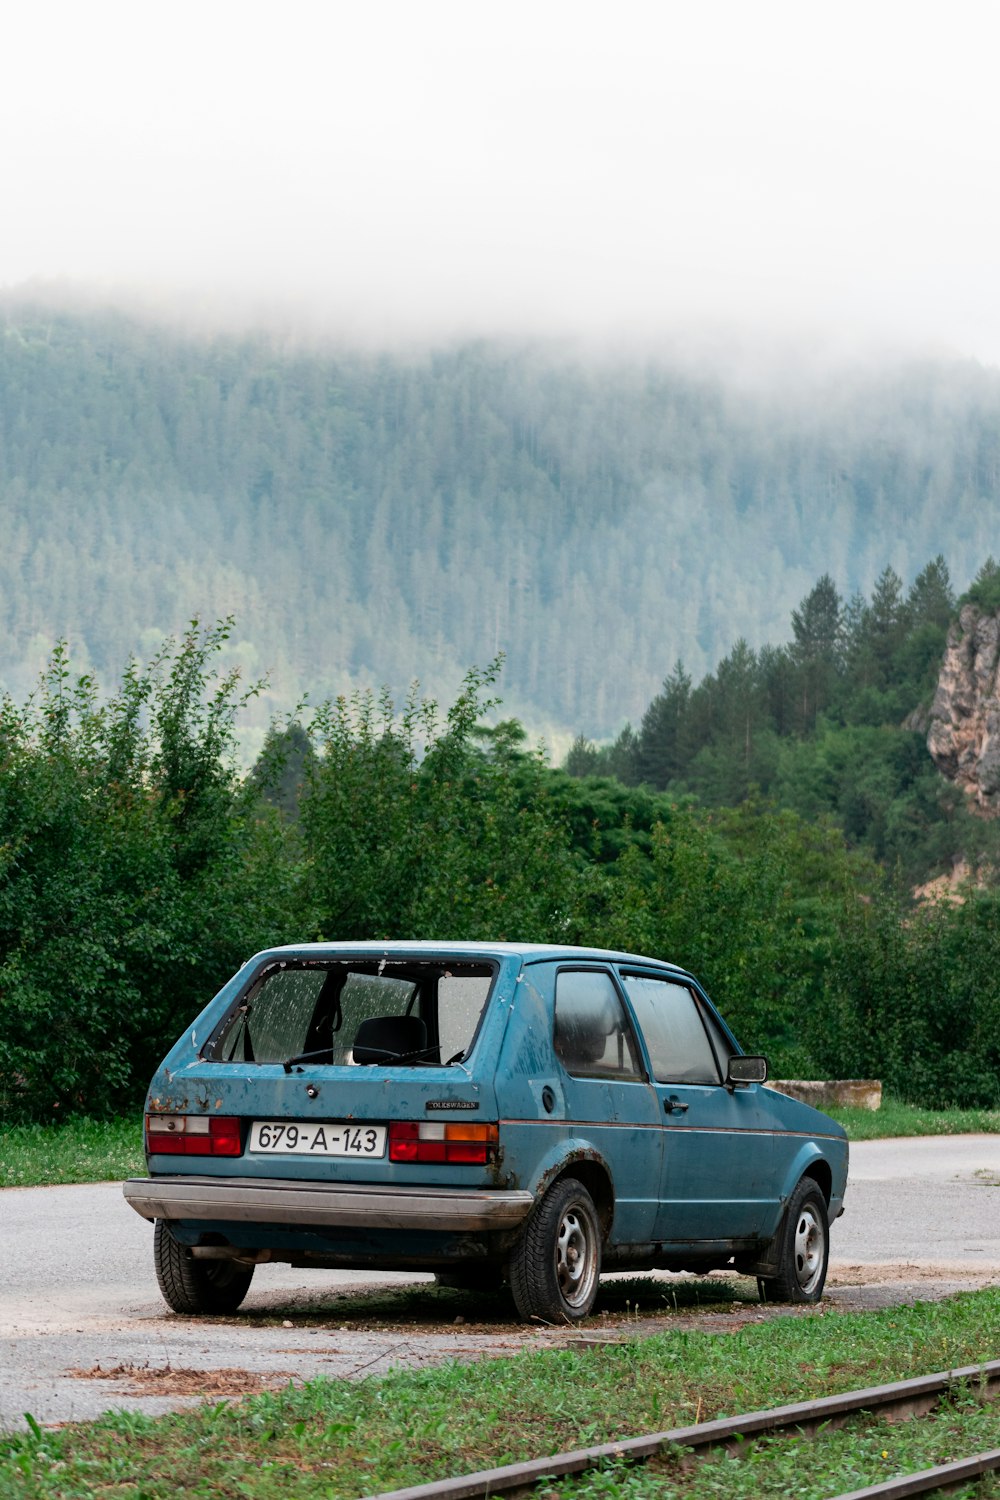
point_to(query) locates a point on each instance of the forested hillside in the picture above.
(832, 725)
(378, 518)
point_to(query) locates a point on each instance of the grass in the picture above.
(83, 1150)
(868, 1451)
(335, 1440)
(77, 1150)
(896, 1118)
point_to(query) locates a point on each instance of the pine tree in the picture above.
(817, 648)
(663, 752)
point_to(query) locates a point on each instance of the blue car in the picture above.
(491, 1112)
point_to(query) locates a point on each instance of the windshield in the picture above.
(355, 1013)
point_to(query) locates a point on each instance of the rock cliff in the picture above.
(964, 733)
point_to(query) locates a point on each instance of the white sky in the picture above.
(616, 170)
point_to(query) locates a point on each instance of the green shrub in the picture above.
(130, 875)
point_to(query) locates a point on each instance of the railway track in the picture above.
(905, 1398)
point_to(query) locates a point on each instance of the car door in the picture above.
(716, 1167)
(608, 1093)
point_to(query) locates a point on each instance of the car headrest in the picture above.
(380, 1038)
(582, 1030)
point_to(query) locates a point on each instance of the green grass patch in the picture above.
(896, 1118)
(339, 1439)
(78, 1150)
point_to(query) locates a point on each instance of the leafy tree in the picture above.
(911, 998)
(725, 913)
(410, 829)
(135, 876)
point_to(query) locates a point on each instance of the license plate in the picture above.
(283, 1138)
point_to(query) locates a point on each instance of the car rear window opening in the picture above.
(361, 1013)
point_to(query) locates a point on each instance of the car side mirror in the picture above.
(746, 1070)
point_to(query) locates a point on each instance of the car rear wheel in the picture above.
(556, 1263)
(197, 1286)
(803, 1248)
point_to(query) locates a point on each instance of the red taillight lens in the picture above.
(435, 1141)
(193, 1135)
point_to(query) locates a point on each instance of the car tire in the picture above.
(802, 1247)
(197, 1286)
(555, 1265)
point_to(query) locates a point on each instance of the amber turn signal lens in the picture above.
(462, 1142)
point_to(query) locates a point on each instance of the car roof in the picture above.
(527, 952)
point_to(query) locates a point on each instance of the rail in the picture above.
(914, 1397)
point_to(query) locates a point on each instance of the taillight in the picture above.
(438, 1140)
(193, 1135)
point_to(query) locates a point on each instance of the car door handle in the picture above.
(674, 1106)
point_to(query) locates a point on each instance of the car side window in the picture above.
(670, 1019)
(593, 1038)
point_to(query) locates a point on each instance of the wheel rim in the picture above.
(576, 1256)
(809, 1248)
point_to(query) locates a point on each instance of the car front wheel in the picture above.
(803, 1248)
(555, 1265)
(197, 1286)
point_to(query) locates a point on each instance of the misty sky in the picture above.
(617, 170)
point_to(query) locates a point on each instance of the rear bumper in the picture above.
(325, 1205)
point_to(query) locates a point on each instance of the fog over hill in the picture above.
(378, 517)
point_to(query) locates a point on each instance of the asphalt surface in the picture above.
(932, 1201)
(78, 1295)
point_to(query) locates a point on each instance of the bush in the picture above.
(912, 998)
(411, 828)
(129, 875)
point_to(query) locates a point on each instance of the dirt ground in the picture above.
(424, 1326)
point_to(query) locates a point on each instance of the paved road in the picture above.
(77, 1288)
(929, 1203)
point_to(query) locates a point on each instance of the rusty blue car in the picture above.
(496, 1113)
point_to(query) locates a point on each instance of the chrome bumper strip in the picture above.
(289, 1202)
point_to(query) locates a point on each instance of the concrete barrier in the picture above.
(845, 1093)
